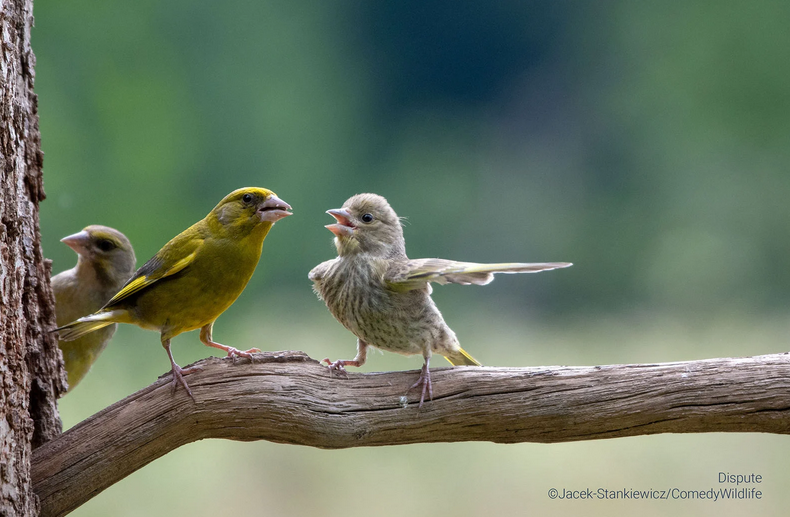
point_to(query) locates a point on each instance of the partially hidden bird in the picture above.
(384, 298)
(105, 261)
(195, 277)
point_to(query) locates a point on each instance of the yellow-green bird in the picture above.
(383, 297)
(105, 261)
(195, 277)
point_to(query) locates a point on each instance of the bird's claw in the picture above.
(336, 367)
(178, 378)
(425, 382)
(233, 353)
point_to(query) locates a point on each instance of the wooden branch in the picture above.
(287, 397)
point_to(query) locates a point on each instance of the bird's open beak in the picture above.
(78, 242)
(274, 209)
(344, 227)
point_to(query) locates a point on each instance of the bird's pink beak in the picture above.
(344, 227)
(274, 209)
(78, 242)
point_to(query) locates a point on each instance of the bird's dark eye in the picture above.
(247, 198)
(367, 218)
(105, 245)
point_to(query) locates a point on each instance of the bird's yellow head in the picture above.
(105, 249)
(246, 209)
(367, 224)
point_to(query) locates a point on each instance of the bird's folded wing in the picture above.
(163, 264)
(317, 273)
(415, 274)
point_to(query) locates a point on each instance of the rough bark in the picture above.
(287, 397)
(30, 363)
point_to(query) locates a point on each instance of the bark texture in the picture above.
(30, 362)
(287, 397)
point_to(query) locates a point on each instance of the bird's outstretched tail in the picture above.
(462, 358)
(85, 325)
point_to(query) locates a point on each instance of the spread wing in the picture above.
(175, 256)
(416, 274)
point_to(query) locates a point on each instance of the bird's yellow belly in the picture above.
(188, 302)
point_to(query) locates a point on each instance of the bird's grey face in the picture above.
(103, 246)
(366, 224)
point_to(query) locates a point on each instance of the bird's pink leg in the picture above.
(205, 338)
(339, 365)
(424, 381)
(178, 372)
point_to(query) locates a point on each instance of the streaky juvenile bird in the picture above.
(384, 298)
(105, 261)
(195, 277)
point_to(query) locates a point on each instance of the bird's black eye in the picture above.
(247, 198)
(105, 245)
(367, 218)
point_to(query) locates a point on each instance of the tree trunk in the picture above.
(30, 362)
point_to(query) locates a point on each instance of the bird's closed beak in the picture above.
(78, 242)
(274, 209)
(344, 227)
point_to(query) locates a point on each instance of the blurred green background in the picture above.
(645, 142)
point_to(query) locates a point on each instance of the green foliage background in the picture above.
(645, 142)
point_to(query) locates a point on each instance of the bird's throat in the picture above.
(346, 246)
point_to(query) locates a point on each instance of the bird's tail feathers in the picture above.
(86, 325)
(461, 358)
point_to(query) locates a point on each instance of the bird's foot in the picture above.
(233, 353)
(339, 366)
(178, 378)
(425, 382)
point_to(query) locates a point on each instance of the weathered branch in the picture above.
(287, 397)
